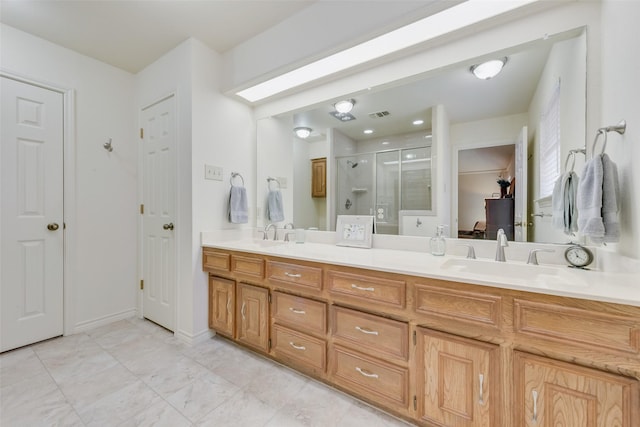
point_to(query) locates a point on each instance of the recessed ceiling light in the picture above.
(368, 131)
(418, 122)
(385, 142)
(489, 69)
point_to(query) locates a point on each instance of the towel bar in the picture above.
(233, 175)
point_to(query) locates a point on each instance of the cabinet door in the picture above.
(252, 316)
(457, 380)
(319, 177)
(552, 393)
(221, 305)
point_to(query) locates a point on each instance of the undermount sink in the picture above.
(534, 274)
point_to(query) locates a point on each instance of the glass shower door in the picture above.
(387, 192)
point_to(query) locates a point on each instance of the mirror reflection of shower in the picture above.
(384, 183)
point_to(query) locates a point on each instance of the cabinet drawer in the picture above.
(214, 260)
(368, 289)
(371, 378)
(573, 326)
(247, 265)
(384, 337)
(304, 349)
(465, 306)
(294, 274)
(300, 313)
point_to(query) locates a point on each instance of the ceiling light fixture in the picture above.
(368, 131)
(454, 18)
(489, 69)
(418, 122)
(302, 132)
(344, 106)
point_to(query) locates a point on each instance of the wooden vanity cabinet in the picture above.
(553, 393)
(457, 380)
(222, 305)
(252, 316)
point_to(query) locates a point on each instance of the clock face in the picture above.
(578, 256)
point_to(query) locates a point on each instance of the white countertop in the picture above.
(551, 279)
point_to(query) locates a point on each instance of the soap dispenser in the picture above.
(438, 244)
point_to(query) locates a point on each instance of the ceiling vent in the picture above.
(379, 114)
(343, 117)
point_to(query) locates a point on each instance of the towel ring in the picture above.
(269, 179)
(233, 175)
(572, 155)
(601, 131)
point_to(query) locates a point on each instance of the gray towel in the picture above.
(610, 200)
(275, 211)
(238, 210)
(563, 202)
(590, 201)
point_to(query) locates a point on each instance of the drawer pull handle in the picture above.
(535, 406)
(228, 304)
(481, 397)
(360, 288)
(297, 347)
(294, 275)
(296, 311)
(366, 373)
(242, 310)
(366, 331)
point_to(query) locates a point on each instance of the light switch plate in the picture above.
(213, 172)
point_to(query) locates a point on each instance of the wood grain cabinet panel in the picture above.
(477, 309)
(319, 177)
(372, 334)
(368, 289)
(221, 305)
(371, 378)
(295, 274)
(299, 313)
(215, 261)
(248, 265)
(457, 379)
(552, 393)
(252, 316)
(301, 349)
(577, 327)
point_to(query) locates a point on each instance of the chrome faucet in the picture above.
(502, 242)
(286, 234)
(533, 255)
(266, 231)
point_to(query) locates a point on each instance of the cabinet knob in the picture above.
(53, 226)
(168, 226)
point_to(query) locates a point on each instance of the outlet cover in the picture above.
(213, 172)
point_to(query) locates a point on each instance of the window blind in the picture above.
(550, 144)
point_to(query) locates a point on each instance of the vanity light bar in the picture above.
(461, 15)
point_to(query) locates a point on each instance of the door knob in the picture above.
(168, 226)
(53, 226)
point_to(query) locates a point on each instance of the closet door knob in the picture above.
(168, 226)
(53, 226)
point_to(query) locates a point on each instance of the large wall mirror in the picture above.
(430, 150)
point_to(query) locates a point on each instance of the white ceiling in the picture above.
(132, 34)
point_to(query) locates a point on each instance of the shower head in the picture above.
(353, 165)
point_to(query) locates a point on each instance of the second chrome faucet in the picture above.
(501, 243)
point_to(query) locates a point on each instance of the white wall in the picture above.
(101, 227)
(619, 94)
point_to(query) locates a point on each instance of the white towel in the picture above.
(275, 211)
(610, 200)
(238, 209)
(590, 201)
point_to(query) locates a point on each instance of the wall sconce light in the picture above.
(344, 106)
(302, 132)
(488, 69)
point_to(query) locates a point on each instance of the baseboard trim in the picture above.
(104, 320)
(194, 339)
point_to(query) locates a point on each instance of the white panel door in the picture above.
(520, 220)
(158, 223)
(32, 225)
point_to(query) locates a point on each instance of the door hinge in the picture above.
(269, 343)
(141, 284)
(141, 209)
(141, 133)
(414, 337)
(415, 402)
(269, 298)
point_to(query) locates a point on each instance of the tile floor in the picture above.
(135, 373)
